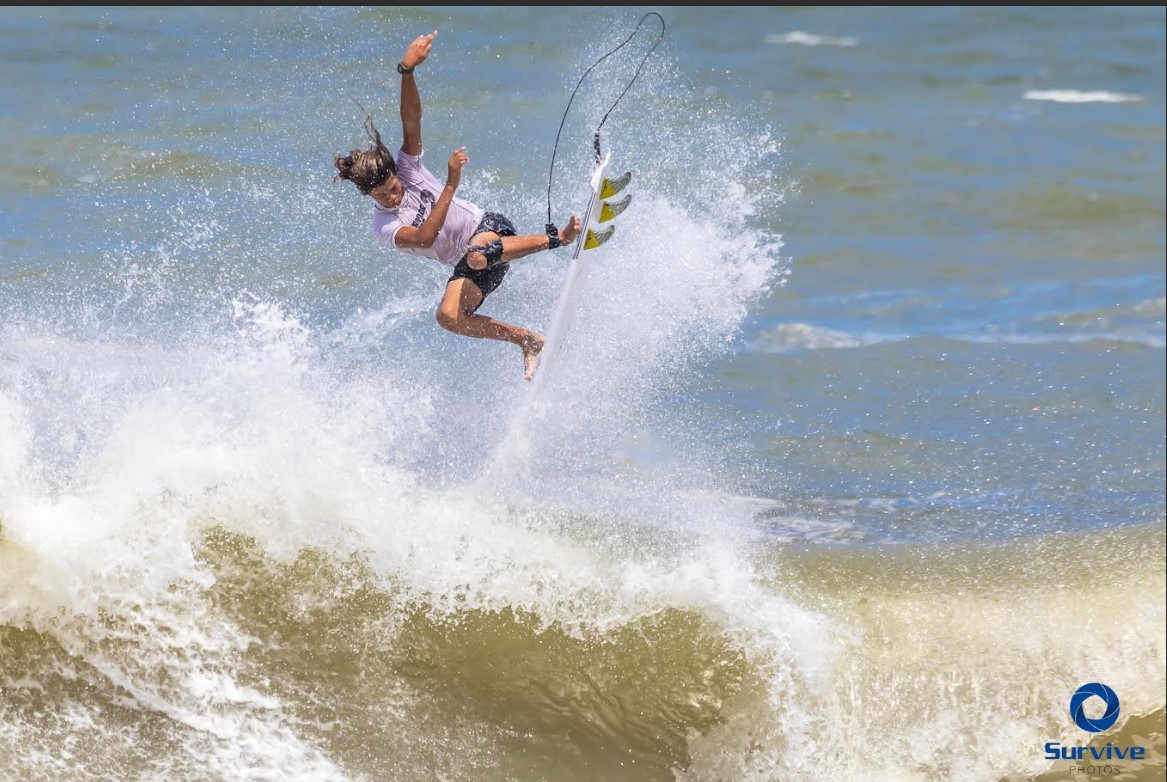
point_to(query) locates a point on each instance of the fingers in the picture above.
(420, 48)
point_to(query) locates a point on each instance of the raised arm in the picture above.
(410, 100)
(427, 233)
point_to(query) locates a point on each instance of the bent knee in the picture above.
(447, 318)
(486, 242)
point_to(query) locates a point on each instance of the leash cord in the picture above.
(596, 138)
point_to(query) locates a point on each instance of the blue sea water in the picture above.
(859, 422)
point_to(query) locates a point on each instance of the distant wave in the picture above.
(794, 337)
(1153, 306)
(789, 337)
(1035, 338)
(1082, 96)
(809, 39)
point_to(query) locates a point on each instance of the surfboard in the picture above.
(597, 229)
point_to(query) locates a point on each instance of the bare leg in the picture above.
(456, 314)
(515, 247)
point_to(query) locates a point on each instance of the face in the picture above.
(389, 193)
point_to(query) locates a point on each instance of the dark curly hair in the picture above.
(366, 168)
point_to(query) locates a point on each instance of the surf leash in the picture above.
(596, 137)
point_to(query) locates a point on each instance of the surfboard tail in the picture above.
(603, 209)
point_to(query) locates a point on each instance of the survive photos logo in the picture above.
(1078, 704)
(1093, 760)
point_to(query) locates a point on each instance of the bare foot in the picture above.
(532, 346)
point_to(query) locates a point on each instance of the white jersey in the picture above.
(421, 193)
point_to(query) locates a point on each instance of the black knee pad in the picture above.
(492, 251)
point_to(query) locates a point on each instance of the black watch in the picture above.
(552, 236)
(402, 69)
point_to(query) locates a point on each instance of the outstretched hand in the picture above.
(418, 50)
(454, 167)
(568, 233)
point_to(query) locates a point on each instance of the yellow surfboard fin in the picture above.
(596, 238)
(608, 210)
(611, 187)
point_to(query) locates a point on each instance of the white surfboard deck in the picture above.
(512, 449)
(573, 284)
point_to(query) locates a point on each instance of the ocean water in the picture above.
(851, 467)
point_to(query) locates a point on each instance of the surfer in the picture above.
(414, 212)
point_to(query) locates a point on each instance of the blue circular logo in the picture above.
(1085, 693)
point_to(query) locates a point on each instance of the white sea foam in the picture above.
(790, 337)
(1082, 96)
(809, 39)
(105, 559)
